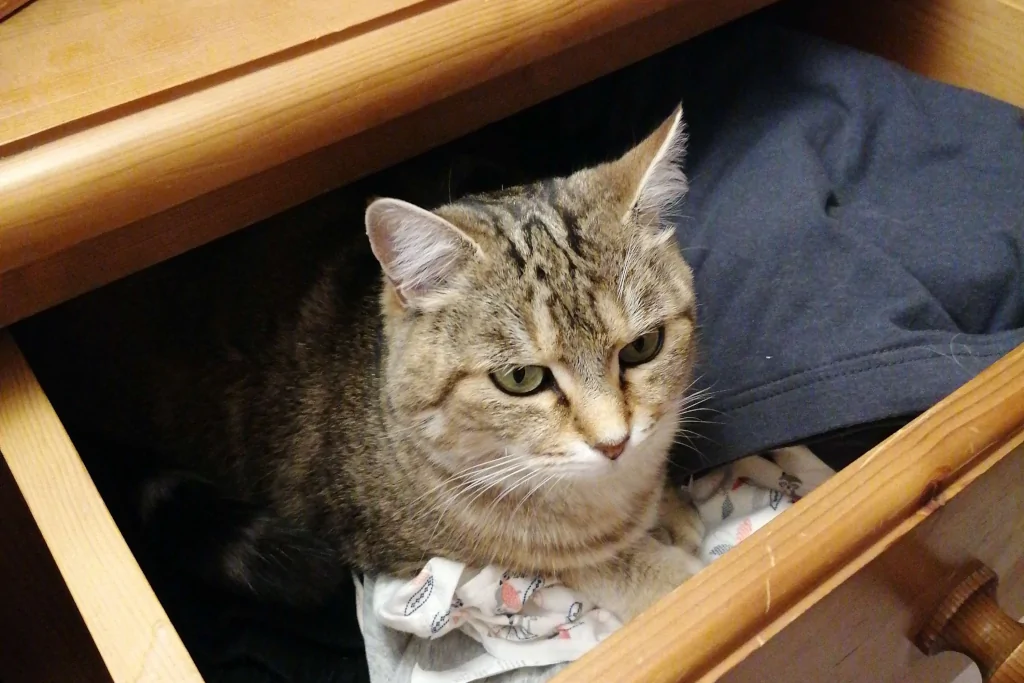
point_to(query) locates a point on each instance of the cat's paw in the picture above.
(679, 522)
(678, 565)
(637, 580)
(667, 568)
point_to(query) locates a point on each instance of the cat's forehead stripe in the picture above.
(545, 331)
(494, 213)
(558, 200)
(530, 223)
(577, 287)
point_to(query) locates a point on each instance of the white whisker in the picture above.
(467, 473)
(497, 481)
(533, 491)
(487, 482)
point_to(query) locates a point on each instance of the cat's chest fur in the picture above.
(564, 527)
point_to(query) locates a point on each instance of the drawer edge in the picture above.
(132, 632)
(62, 262)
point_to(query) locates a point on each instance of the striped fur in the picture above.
(356, 425)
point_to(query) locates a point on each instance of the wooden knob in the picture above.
(970, 621)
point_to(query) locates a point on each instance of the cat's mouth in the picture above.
(582, 461)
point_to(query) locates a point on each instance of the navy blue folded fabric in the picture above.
(857, 234)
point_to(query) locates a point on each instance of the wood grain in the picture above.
(37, 614)
(75, 59)
(715, 620)
(71, 268)
(8, 7)
(864, 625)
(970, 620)
(130, 628)
(975, 44)
(63, 192)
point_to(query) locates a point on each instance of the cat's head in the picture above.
(547, 328)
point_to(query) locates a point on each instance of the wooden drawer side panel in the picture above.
(38, 617)
(131, 630)
(974, 44)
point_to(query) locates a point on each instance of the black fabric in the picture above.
(857, 235)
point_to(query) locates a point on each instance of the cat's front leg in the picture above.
(679, 523)
(638, 578)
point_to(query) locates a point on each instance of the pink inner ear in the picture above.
(417, 250)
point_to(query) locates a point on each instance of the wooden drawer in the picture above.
(833, 590)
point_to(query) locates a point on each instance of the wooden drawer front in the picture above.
(863, 630)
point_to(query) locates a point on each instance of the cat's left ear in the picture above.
(647, 180)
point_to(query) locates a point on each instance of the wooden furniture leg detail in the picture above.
(970, 621)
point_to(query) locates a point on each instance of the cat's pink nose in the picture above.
(612, 450)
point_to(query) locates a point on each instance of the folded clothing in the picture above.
(856, 233)
(515, 621)
(519, 620)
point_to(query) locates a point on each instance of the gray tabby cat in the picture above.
(506, 394)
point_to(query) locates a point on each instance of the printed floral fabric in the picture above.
(736, 500)
(514, 616)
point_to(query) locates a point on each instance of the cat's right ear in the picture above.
(648, 181)
(418, 250)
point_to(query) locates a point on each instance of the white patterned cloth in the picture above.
(736, 500)
(521, 621)
(515, 617)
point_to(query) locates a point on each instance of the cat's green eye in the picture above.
(521, 381)
(642, 349)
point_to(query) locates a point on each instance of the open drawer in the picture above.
(837, 589)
